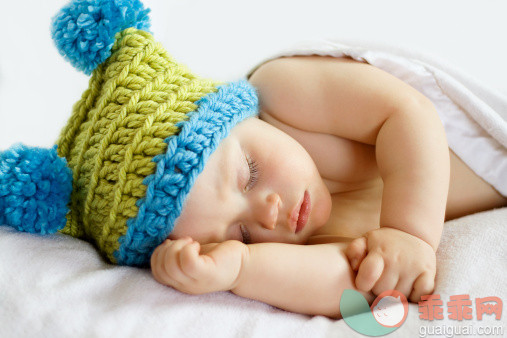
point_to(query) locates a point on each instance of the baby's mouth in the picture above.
(300, 213)
(304, 212)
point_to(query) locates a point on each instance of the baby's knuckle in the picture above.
(381, 250)
(172, 269)
(369, 276)
(428, 290)
(170, 260)
(189, 268)
(363, 284)
(427, 266)
(355, 245)
(428, 285)
(173, 249)
(392, 260)
(425, 286)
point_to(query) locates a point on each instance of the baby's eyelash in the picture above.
(254, 173)
(245, 234)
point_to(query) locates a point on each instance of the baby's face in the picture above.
(252, 189)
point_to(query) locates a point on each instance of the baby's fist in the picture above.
(190, 268)
(390, 259)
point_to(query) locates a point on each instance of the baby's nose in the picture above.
(269, 212)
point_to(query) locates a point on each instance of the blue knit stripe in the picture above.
(177, 169)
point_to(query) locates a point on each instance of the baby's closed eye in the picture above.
(245, 234)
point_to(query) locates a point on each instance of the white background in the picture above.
(221, 39)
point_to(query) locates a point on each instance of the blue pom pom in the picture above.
(35, 188)
(84, 30)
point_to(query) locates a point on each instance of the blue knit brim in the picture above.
(177, 169)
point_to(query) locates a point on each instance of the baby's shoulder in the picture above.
(291, 91)
(335, 96)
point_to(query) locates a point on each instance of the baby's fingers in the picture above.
(356, 252)
(158, 260)
(369, 272)
(405, 284)
(423, 285)
(192, 263)
(165, 263)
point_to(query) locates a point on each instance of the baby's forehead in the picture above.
(253, 130)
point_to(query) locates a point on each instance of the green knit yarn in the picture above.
(132, 104)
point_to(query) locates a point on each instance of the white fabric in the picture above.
(474, 116)
(58, 286)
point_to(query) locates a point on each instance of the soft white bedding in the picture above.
(57, 286)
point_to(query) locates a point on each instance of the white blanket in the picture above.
(59, 286)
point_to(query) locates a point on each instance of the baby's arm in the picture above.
(359, 102)
(307, 279)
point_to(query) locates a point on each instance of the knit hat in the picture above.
(134, 145)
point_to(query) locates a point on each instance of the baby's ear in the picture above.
(35, 188)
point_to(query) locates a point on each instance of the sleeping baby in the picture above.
(344, 164)
(316, 175)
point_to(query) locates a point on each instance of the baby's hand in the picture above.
(191, 268)
(390, 259)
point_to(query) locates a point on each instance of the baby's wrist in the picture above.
(432, 243)
(245, 262)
